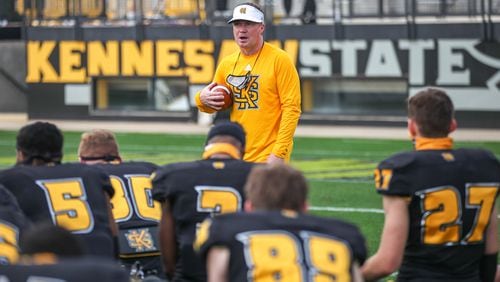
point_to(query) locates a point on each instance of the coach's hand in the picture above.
(214, 100)
(273, 159)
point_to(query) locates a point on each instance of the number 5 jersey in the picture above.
(68, 195)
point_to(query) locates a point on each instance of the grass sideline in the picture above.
(339, 170)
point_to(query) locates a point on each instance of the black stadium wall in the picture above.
(354, 73)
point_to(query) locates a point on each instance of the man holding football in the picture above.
(265, 89)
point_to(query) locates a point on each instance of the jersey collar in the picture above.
(221, 148)
(422, 143)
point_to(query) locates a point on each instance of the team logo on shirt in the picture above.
(140, 240)
(245, 90)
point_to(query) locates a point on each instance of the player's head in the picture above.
(225, 139)
(431, 114)
(46, 240)
(276, 187)
(39, 143)
(248, 27)
(98, 146)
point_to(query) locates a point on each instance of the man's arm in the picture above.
(218, 264)
(288, 85)
(394, 235)
(357, 276)
(488, 265)
(168, 246)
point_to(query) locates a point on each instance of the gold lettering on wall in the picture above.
(103, 58)
(167, 58)
(137, 58)
(76, 61)
(198, 56)
(39, 68)
(70, 61)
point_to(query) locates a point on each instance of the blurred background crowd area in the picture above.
(189, 12)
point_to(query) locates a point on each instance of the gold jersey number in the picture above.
(9, 235)
(67, 201)
(277, 256)
(216, 200)
(134, 195)
(442, 214)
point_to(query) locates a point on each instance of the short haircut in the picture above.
(227, 132)
(98, 144)
(40, 140)
(433, 112)
(276, 187)
(48, 238)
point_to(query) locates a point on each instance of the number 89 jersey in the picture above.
(284, 246)
(451, 196)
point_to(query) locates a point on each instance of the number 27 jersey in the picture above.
(451, 196)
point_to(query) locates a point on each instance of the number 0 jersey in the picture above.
(451, 195)
(284, 246)
(136, 213)
(69, 195)
(196, 190)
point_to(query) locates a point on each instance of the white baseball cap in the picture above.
(247, 12)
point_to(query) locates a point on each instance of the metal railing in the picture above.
(55, 12)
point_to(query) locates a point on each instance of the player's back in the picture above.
(195, 191)
(452, 193)
(69, 195)
(136, 214)
(70, 270)
(285, 244)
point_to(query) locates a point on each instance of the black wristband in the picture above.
(488, 267)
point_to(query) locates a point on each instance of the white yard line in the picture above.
(362, 210)
(338, 209)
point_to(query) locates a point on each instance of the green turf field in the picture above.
(339, 170)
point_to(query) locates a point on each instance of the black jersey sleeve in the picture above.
(390, 175)
(159, 179)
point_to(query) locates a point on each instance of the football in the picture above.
(228, 98)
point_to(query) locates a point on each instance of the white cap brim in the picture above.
(247, 13)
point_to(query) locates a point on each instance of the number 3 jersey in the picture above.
(451, 195)
(284, 246)
(69, 195)
(195, 191)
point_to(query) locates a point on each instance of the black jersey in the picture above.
(136, 214)
(195, 191)
(284, 246)
(70, 270)
(451, 195)
(12, 225)
(69, 195)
